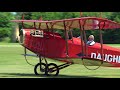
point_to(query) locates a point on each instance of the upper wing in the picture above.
(38, 23)
(88, 23)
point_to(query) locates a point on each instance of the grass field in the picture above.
(13, 65)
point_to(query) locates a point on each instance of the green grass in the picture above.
(114, 45)
(13, 65)
(4, 43)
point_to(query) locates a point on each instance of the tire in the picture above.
(47, 69)
(38, 66)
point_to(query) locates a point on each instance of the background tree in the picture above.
(5, 25)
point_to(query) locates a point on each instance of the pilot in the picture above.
(79, 37)
(91, 40)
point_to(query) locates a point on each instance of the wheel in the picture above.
(51, 70)
(38, 69)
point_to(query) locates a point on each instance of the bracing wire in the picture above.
(25, 51)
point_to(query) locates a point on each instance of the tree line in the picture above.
(6, 26)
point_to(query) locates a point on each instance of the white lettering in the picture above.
(107, 57)
(115, 58)
(99, 56)
(119, 60)
(93, 55)
(37, 33)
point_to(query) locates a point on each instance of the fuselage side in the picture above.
(54, 46)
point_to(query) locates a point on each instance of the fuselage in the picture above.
(52, 45)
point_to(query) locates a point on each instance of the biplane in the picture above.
(42, 39)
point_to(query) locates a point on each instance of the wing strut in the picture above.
(66, 39)
(101, 40)
(81, 34)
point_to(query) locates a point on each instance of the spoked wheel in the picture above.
(51, 70)
(39, 68)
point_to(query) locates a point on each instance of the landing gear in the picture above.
(50, 69)
(39, 67)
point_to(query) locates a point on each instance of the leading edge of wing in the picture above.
(20, 21)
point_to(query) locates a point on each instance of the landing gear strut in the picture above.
(40, 67)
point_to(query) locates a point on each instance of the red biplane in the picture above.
(42, 40)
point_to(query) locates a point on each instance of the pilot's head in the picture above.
(91, 37)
